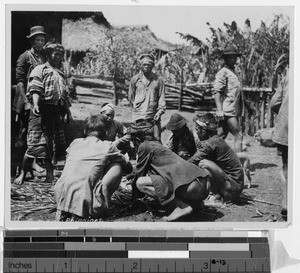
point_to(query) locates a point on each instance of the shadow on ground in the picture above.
(260, 166)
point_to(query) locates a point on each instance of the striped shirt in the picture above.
(49, 83)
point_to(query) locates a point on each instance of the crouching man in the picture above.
(222, 163)
(165, 176)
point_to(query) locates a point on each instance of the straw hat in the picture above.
(35, 31)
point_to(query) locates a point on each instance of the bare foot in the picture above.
(213, 201)
(101, 209)
(178, 213)
(49, 179)
(20, 179)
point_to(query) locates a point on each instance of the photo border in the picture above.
(133, 225)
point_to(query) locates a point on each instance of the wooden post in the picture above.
(257, 99)
(247, 120)
(263, 110)
(181, 90)
(270, 113)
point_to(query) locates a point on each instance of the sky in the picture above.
(164, 21)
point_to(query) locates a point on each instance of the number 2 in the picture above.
(134, 266)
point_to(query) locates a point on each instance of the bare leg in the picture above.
(217, 180)
(49, 171)
(223, 129)
(245, 161)
(111, 182)
(26, 166)
(235, 130)
(144, 185)
(157, 131)
(284, 181)
(187, 197)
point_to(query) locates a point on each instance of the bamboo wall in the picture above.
(195, 98)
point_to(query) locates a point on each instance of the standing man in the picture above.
(147, 95)
(20, 106)
(228, 97)
(280, 105)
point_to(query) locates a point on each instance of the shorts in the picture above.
(37, 151)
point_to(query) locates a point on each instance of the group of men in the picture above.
(190, 169)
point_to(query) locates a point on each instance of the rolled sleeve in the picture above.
(220, 82)
(162, 97)
(35, 81)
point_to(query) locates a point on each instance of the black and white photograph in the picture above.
(149, 114)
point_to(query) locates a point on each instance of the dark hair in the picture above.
(50, 47)
(95, 123)
(141, 131)
(184, 141)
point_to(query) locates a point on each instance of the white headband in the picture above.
(108, 106)
(202, 124)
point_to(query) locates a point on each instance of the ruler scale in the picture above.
(127, 251)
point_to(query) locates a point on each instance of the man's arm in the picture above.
(161, 100)
(22, 67)
(201, 153)
(219, 85)
(131, 91)
(277, 99)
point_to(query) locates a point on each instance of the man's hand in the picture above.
(220, 114)
(36, 110)
(69, 118)
(157, 116)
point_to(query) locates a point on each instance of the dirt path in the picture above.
(35, 201)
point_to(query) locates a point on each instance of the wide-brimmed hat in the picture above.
(35, 31)
(176, 122)
(231, 50)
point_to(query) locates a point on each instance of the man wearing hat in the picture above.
(147, 95)
(182, 140)
(228, 97)
(30, 58)
(25, 64)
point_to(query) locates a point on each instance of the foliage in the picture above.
(115, 58)
(263, 51)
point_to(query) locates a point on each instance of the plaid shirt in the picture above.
(49, 82)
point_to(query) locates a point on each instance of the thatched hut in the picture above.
(85, 37)
(142, 36)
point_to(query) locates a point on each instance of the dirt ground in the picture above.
(34, 200)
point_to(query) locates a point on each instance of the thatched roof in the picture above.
(83, 34)
(143, 36)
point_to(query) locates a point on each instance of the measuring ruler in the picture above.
(135, 251)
